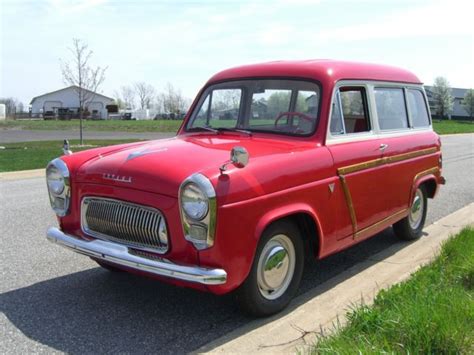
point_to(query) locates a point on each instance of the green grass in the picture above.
(453, 126)
(35, 155)
(431, 313)
(441, 127)
(102, 125)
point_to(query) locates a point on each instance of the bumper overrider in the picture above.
(119, 254)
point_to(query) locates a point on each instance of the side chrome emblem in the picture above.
(331, 187)
(118, 178)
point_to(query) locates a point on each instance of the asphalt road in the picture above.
(19, 135)
(54, 300)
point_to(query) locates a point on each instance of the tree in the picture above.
(443, 100)
(85, 78)
(125, 97)
(11, 105)
(145, 93)
(468, 102)
(173, 101)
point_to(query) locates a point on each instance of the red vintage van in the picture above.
(273, 162)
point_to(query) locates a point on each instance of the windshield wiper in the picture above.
(210, 129)
(225, 129)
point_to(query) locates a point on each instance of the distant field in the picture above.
(441, 127)
(112, 125)
(452, 127)
(35, 155)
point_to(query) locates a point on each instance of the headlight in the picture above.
(197, 200)
(195, 203)
(57, 180)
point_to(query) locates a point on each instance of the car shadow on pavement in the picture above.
(96, 311)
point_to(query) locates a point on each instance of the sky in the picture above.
(186, 42)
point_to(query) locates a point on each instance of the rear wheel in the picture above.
(276, 271)
(411, 227)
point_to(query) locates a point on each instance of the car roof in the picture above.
(323, 70)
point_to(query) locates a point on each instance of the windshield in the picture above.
(267, 105)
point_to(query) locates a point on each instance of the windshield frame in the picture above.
(233, 83)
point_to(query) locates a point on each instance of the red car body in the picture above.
(340, 194)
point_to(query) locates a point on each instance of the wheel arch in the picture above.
(305, 219)
(429, 182)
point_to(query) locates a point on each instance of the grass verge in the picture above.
(453, 127)
(35, 155)
(431, 313)
(102, 125)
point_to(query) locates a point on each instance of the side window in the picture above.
(418, 112)
(349, 113)
(391, 110)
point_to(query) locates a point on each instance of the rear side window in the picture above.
(349, 112)
(391, 109)
(418, 111)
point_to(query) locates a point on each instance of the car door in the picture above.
(410, 144)
(357, 156)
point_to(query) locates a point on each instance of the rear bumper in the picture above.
(118, 254)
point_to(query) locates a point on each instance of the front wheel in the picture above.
(276, 271)
(411, 227)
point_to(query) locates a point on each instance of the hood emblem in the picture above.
(117, 178)
(145, 152)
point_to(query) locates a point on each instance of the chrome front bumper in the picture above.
(118, 254)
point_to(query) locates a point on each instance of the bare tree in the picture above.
(443, 100)
(145, 93)
(173, 101)
(125, 97)
(11, 105)
(468, 102)
(85, 79)
(128, 96)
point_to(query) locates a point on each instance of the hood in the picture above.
(161, 166)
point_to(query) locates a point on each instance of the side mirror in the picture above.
(239, 156)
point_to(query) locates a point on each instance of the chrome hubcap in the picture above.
(416, 210)
(276, 267)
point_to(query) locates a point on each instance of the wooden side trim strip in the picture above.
(381, 161)
(373, 163)
(350, 205)
(375, 225)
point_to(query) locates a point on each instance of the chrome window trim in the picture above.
(209, 221)
(375, 133)
(85, 229)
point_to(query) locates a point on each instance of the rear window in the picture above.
(391, 109)
(418, 111)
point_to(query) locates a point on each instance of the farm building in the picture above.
(65, 102)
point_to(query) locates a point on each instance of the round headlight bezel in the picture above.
(58, 184)
(201, 202)
(200, 232)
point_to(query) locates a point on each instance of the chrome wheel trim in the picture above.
(276, 266)
(416, 210)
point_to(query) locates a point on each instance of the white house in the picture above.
(66, 101)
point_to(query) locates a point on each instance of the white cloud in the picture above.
(64, 7)
(436, 19)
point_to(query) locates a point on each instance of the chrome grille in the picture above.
(134, 225)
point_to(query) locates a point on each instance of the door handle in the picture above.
(383, 147)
